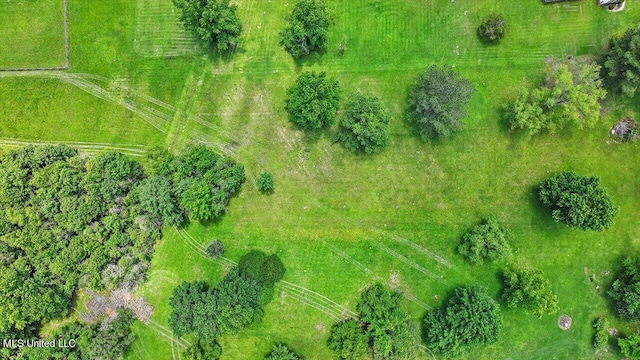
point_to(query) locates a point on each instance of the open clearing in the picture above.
(341, 222)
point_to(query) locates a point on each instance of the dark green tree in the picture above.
(578, 201)
(306, 30)
(265, 183)
(438, 102)
(156, 198)
(492, 29)
(528, 289)
(203, 350)
(215, 249)
(625, 290)
(470, 318)
(569, 96)
(213, 22)
(622, 62)
(487, 241)
(348, 340)
(282, 352)
(364, 126)
(185, 299)
(312, 101)
(109, 340)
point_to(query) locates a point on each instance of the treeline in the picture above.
(68, 221)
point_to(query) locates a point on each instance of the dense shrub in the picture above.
(470, 318)
(578, 201)
(492, 29)
(282, 352)
(213, 22)
(265, 183)
(625, 290)
(215, 249)
(312, 101)
(528, 289)
(630, 346)
(487, 241)
(306, 30)
(622, 62)
(348, 340)
(203, 350)
(364, 126)
(438, 102)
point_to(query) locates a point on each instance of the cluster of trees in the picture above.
(382, 329)
(528, 289)
(569, 96)
(105, 340)
(306, 30)
(488, 241)
(235, 303)
(213, 22)
(470, 318)
(195, 185)
(578, 201)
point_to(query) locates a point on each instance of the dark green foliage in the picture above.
(157, 199)
(527, 289)
(601, 337)
(266, 270)
(69, 221)
(470, 318)
(282, 352)
(622, 62)
(348, 340)
(625, 290)
(215, 249)
(389, 332)
(312, 101)
(364, 127)
(487, 241)
(307, 28)
(438, 102)
(578, 201)
(265, 183)
(213, 22)
(601, 324)
(570, 96)
(492, 29)
(203, 350)
(630, 346)
(210, 313)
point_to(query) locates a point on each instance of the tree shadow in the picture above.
(312, 59)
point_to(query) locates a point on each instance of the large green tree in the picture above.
(313, 100)
(213, 22)
(487, 241)
(578, 201)
(569, 96)
(625, 290)
(348, 340)
(470, 318)
(364, 126)
(622, 62)
(528, 289)
(306, 30)
(630, 346)
(438, 102)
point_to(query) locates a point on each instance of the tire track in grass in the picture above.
(303, 290)
(168, 334)
(131, 150)
(412, 264)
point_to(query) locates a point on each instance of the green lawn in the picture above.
(32, 34)
(341, 222)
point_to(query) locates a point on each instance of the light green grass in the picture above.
(32, 34)
(158, 32)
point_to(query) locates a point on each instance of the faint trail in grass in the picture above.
(132, 150)
(168, 333)
(317, 296)
(410, 263)
(419, 248)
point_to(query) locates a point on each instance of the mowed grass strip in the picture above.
(32, 34)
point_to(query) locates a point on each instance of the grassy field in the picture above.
(341, 222)
(32, 34)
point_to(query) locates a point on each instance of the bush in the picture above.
(213, 22)
(282, 352)
(527, 289)
(307, 29)
(600, 340)
(625, 290)
(364, 127)
(215, 249)
(203, 350)
(487, 241)
(578, 201)
(601, 324)
(492, 29)
(312, 101)
(630, 346)
(348, 340)
(622, 62)
(265, 183)
(438, 101)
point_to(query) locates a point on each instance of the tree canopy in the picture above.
(348, 340)
(569, 96)
(630, 346)
(470, 318)
(438, 102)
(282, 352)
(528, 289)
(622, 62)
(213, 22)
(313, 100)
(578, 201)
(306, 30)
(364, 126)
(265, 183)
(625, 290)
(487, 241)
(492, 29)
